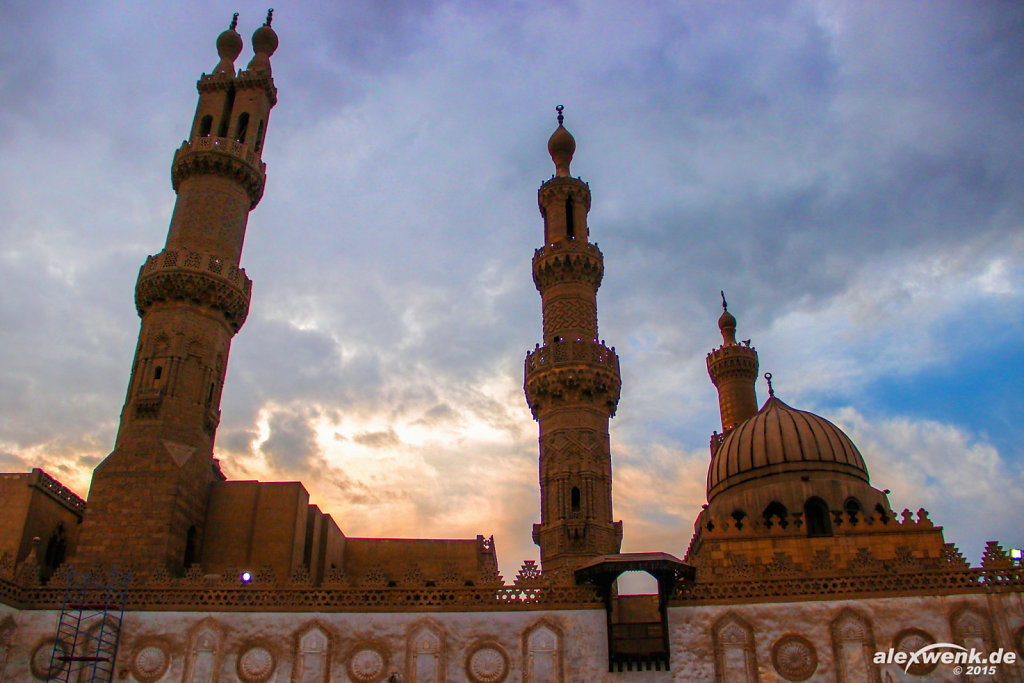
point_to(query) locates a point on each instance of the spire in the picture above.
(768, 378)
(264, 43)
(727, 324)
(561, 146)
(229, 46)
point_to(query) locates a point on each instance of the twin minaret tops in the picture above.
(148, 499)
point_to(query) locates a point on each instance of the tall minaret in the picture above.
(572, 381)
(147, 501)
(733, 370)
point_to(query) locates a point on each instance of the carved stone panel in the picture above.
(542, 654)
(202, 664)
(367, 662)
(425, 661)
(794, 657)
(735, 657)
(853, 647)
(487, 662)
(256, 662)
(911, 640)
(150, 660)
(312, 655)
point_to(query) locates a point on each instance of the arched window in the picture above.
(191, 551)
(575, 499)
(205, 126)
(570, 219)
(816, 517)
(56, 548)
(776, 509)
(259, 137)
(209, 396)
(243, 127)
(853, 508)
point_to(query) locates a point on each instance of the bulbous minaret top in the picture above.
(727, 324)
(264, 42)
(561, 146)
(229, 46)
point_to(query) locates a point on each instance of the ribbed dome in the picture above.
(782, 439)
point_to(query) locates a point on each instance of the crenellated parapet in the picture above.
(224, 157)
(195, 277)
(732, 361)
(576, 373)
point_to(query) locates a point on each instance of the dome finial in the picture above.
(768, 378)
(229, 45)
(270, 17)
(727, 323)
(264, 42)
(561, 146)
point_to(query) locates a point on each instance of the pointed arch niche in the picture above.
(312, 654)
(425, 654)
(735, 657)
(205, 652)
(853, 646)
(542, 648)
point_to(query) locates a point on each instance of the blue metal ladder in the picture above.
(89, 628)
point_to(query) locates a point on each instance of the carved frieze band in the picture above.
(552, 386)
(737, 361)
(222, 157)
(552, 266)
(208, 289)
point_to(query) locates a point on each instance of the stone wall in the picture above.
(795, 641)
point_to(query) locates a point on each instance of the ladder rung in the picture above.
(82, 658)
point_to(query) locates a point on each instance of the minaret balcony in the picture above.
(220, 156)
(567, 261)
(572, 372)
(186, 275)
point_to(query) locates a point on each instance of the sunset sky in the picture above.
(850, 173)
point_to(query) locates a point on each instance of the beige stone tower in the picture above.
(572, 381)
(733, 370)
(148, 498)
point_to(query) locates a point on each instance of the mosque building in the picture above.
(798, 569)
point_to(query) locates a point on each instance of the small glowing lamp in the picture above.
(1016, 554)
(246, 577)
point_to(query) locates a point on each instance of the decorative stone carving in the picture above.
(425, 660)
(487, 663)
(202, 663)
(794, 657)
(542, 653)
(312, 655)
(367, 663)
(150, 660)
(911, 640)
(256, 663)
(39, 662)
(735, 657)
(853, 647)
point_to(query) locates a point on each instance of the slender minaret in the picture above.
(733, 370)
(572, 381)
(147, 501)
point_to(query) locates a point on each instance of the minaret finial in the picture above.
(234, 22)
(561, 118)
(768, 378)
(725, 306)
(270, 17)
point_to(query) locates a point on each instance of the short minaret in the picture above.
(147, 502)
(572, 381)
(733, 369)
